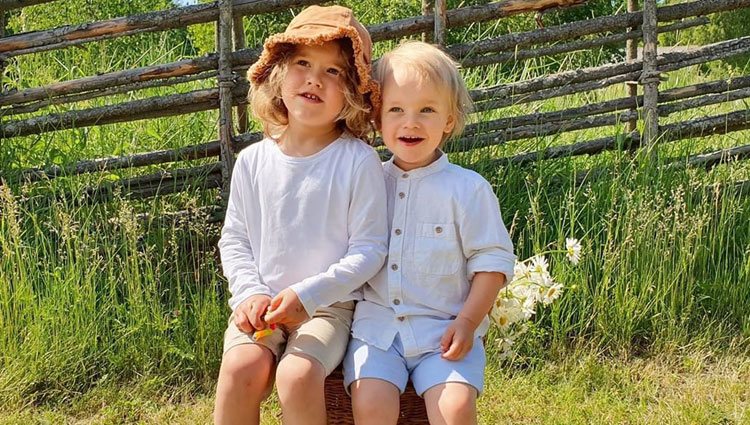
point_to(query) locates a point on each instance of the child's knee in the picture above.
(248, 370)
(298, 373)
(375, 401)
(455, 402)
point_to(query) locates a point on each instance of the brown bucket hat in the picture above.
(317, 25)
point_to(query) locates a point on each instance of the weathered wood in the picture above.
(440, 18)
(713, 125)
(523, 54)
(26, 108)
(37, 41)
(17, 4)
(161, 183)
(240, 43)
(112, 79)
(569, 82)
(226, 83)
(473, 141)
(712, 99)
(717, 86)
(198, 100)
(511, 42)
(650, 75)
(712, 159)
(203, 150)
(631, 54)
(464, 16)
(427, 9)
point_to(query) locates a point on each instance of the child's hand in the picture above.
(248, 316)
(458, 339)
(286, 309)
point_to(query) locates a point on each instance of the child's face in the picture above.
(313, 89)
(414, 118)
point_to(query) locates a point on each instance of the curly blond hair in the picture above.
(266, 103)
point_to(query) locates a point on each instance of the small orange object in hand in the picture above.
(264, 332)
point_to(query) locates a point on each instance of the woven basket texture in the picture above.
(339, 404)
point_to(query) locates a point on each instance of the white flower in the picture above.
(553, 293)
(539, 265)
(573, 250)
(521, 270)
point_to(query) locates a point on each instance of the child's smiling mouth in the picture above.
(410, 140)
(311, 97)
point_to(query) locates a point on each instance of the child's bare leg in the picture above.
(374, 401)
(452, 403)
(245, 380)
(300, 383)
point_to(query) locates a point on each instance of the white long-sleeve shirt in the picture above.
(445, 226)
(316, 224)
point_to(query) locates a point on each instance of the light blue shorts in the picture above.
(426, 370)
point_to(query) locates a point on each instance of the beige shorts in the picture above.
(324, 337)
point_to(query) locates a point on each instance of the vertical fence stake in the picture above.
(240, 43)
(226, 82)
(631, 54)
(650, 74)
(440, 22)
(427, 10)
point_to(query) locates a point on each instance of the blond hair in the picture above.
(432, 64)
(267, 106)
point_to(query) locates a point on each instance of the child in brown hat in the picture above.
(306, 219)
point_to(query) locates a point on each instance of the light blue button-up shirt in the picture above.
(445, 226)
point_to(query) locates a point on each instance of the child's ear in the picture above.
(450, 124)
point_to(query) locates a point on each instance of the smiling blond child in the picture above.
(424, 314)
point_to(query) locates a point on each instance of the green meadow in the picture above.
(110, 314)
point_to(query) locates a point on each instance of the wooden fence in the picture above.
(228, 64)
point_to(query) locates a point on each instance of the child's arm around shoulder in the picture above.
(368, 245)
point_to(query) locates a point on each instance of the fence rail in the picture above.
(18, 108)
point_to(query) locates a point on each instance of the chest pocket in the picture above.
(436, 249)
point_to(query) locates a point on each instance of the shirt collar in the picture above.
(437, 165)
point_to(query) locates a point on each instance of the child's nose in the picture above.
(314, 78)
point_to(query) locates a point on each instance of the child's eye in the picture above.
(427, 109)
(302, 62)
(334, 71)
(395, 109)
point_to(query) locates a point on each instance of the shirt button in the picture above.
(405, 175)
(397, 231)
(438, 229)
(396, 301)
(400, 318)
(401, 195)
(394, 267)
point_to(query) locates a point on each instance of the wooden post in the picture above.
(226, 82)
(439, 33)
(427, 10)
(240, 43)
(631, 52)
(650, 74)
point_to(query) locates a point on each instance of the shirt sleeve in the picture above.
(368, 241)
(486, 243)
(235, 249)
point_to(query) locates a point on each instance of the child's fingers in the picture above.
(446, 339)
(242, 322)
(276, 309)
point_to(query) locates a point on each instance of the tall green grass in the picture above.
(91, 296)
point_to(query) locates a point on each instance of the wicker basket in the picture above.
(339, 405)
